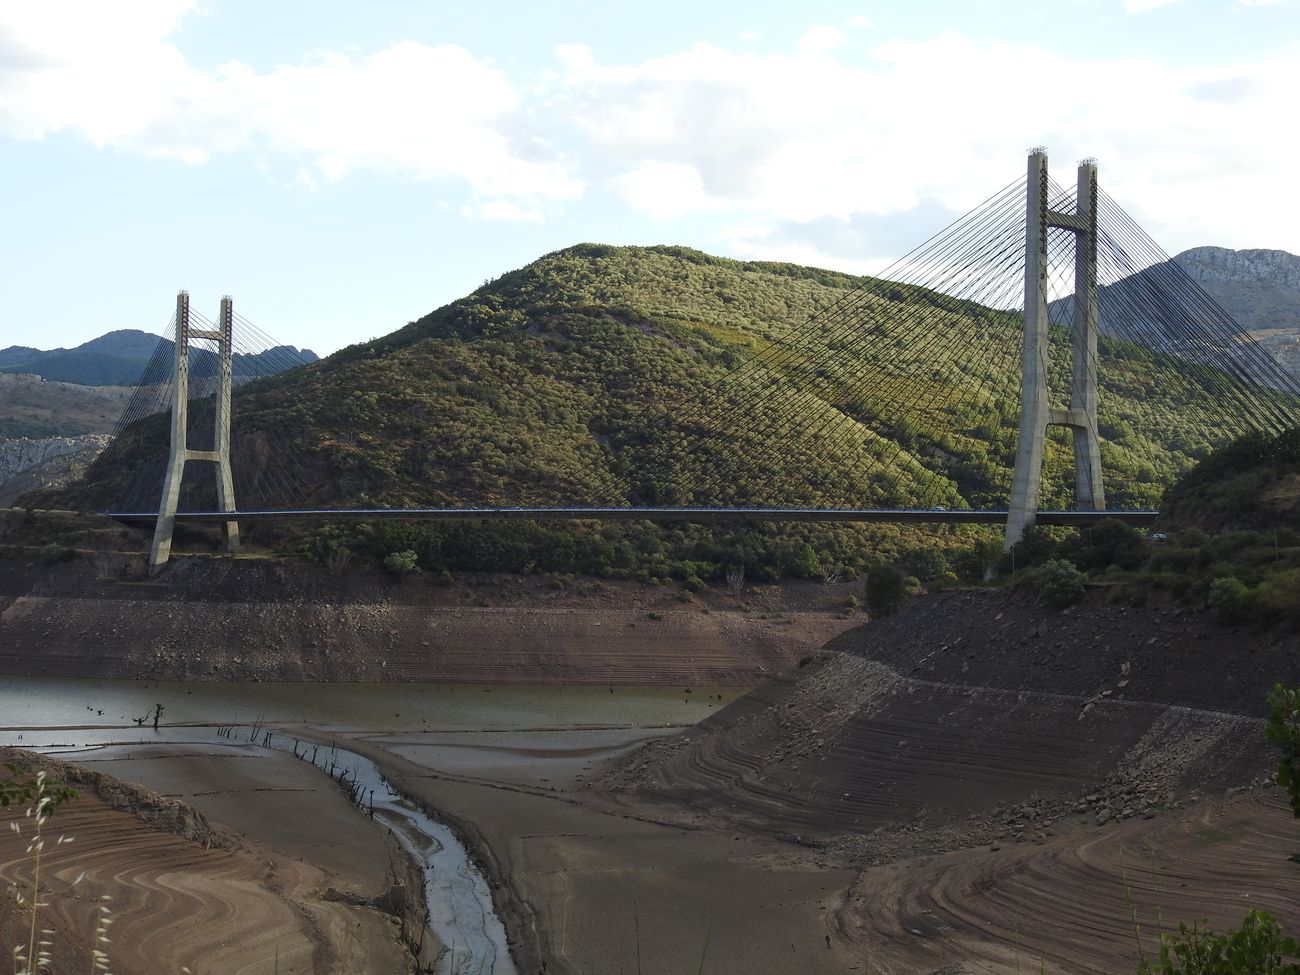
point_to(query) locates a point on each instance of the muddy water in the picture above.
(29, 702)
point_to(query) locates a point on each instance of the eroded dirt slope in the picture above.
(249, 620)
(184, 894)
(995, 770)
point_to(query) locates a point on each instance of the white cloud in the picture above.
(501, 210)
(858, 21)
(1141, 6)
(664, 190)
(770, 142)
(777, 147)
(822, 37)
(109, 73)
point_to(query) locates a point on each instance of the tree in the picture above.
(1258, 947)
(885, 591)
(1283, 730)
(1060, 583)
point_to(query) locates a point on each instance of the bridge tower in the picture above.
(1036, 412)
(180, 452)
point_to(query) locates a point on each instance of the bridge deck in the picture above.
(886, 515)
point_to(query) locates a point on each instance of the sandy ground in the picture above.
(1066, 904)
(597, 882)
(591, 877)
(595, 890)
(969, 790)
(255, 908)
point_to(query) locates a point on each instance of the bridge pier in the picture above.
(1036, 413)
(180, 452)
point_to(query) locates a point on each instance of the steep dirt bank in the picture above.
(1041, 756)
(226, 619)
(1160, 654)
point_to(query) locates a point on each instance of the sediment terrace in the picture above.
(190, 896)
(252, 620)
(998, 772)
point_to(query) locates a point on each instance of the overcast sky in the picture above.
(341, 168)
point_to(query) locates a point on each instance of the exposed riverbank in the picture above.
(245, 619)
(217, 875)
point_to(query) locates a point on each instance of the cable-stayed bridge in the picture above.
(975, 380)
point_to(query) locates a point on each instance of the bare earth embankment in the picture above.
(996, 771)
(254, 895)
(966, 787)
(207, 619)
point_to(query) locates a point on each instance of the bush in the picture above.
(885, 590)
(54, 553)
(1230, 598)
(402, 564)
(1283, 730)
(1060, 583)
(1258, 947)
(1109, 542)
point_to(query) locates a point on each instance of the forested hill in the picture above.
(589, 377)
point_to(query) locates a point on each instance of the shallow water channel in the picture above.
(69, 716)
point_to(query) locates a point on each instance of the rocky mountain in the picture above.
(26, 465)
(1259, 288)
(119, 358)
(57, 406)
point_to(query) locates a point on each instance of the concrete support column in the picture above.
(180, 452)
(1035, 411)
(161, 549)
(225, 480)
(1026, 481)
(1088, 491)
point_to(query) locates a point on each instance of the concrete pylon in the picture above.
(180, 452)
(1036, 413)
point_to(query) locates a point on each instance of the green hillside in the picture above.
(589, 377)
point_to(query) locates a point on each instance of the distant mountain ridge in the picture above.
(1259, 288)
(119, 358)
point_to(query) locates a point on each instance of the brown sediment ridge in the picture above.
(997, 770)
(184, 894)
(260, 620)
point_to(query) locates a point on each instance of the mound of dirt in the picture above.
(1163, 655)
(973, 717)
(1004, 778)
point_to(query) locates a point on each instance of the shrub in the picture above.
(54, 553)
(401, 564)
(885, 590)
(1230, 598)
(1283, 730)
(1258, 947)
(1109, 542)
(1060, 583)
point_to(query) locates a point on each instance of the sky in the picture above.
(342, 168)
